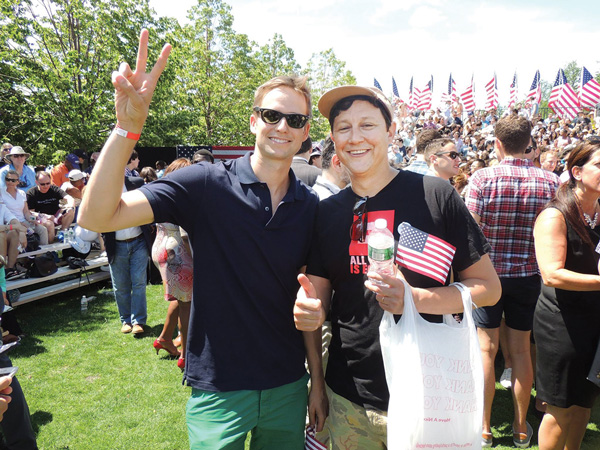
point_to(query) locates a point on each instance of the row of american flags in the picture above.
(564, 101)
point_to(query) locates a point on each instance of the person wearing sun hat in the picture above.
(336, 282)
(16, 158)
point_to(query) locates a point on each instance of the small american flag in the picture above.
(491, 90)
(395, 89)
(589, 92)
(424, 103)
(468, 97)
(424, 253)
(535, 92)
(413, 95)
(450, 94)
(513, 92)
(376, 84)
(563, 99)
(311, 442)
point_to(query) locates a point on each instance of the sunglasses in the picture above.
(358, 229)
(272, 117)
(11, 180)
(18, 156)
(44, 184)
(528, 149)
(451, 155)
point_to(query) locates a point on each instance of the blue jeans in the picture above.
(128, 274)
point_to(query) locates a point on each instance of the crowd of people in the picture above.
(267, 268)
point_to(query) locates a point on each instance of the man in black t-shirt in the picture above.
(336, 281)
(45, 201)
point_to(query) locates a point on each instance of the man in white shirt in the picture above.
(128, 250)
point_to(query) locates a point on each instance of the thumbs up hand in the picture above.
(308, 310)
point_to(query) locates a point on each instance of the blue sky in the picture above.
(404, 38)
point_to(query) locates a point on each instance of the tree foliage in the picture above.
(214, 75)
(56, 59)
(276, 59)
(325, 71)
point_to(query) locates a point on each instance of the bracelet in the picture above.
(11, 227)
(126, 134)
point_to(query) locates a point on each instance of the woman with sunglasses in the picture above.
(567, 313)
(16, 202)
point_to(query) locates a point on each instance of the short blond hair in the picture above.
(296, 83)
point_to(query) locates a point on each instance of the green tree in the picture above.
(57, 58)
(214, 72)
(573, 74)
(275, 58)
(325, 71)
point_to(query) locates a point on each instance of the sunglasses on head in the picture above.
(272, 117)
(358, 229)
(451, 155)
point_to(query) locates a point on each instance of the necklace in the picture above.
(591, 222)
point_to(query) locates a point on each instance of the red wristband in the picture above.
(11, 226)
(126, 134)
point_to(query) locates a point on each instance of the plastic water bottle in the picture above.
(381, 251)
(84, 305)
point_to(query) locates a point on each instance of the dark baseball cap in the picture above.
(73, 159)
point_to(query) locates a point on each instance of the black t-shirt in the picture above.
(355, 368)
(47, 203)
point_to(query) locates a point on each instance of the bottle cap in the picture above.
(381, 224)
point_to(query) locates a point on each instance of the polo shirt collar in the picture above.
(243, 169)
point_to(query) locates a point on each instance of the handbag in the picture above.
(434, 374)
(33, 242)
(43, 265)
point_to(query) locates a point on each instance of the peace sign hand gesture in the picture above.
(134, 90)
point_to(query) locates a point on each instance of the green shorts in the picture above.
(222, 420)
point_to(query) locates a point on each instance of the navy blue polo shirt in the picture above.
(242, 333)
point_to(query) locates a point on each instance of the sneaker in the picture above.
(126, 328)
(13, 274)
(486, 439)
(505, 379)
(522, 440)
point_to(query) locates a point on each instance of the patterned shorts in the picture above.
(352, 426)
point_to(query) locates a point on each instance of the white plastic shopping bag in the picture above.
(435, 378)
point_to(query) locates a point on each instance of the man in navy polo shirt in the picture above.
(250, 223)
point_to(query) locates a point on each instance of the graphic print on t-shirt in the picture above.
(358, 251)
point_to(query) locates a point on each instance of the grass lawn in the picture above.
(90, 387)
